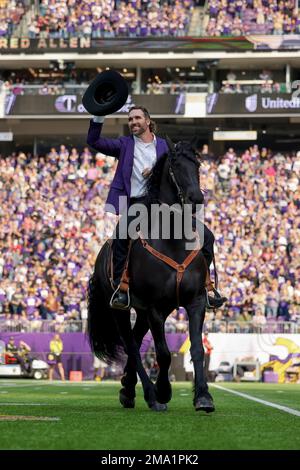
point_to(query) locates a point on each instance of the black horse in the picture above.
(174, 179)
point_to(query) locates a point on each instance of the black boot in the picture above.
(120, 299)
(214, 301)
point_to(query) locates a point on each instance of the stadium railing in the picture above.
(224, 326)
(59, 89)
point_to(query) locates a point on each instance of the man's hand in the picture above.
(146, 172)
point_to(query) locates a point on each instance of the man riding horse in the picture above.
(137, 155)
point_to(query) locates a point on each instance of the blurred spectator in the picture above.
(259, 321)
(150, 363)
(54, 357)
(205, 153)
(224, 171)
(23, 356)
(182, 323)
(207, 353)
(51, 303)
(99, 369)
(12, 350)
(171, 322)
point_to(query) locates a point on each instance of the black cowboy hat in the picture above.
(106, 94)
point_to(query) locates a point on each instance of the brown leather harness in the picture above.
(180, 268)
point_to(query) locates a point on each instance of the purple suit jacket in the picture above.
(123, 149)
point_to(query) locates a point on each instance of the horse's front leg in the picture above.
(129, 379)
(203, 401)
(163, 387)
(135, 361)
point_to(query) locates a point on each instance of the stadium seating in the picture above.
(137, 18)
(106, 19)
(11, 13)
(244, 17)
(56, 224)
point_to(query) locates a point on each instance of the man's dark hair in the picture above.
(153, 126)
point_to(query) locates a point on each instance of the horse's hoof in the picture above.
(204, 404)
(158, 406)
(125, 401)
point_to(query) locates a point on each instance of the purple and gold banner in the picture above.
(70, 104)
(14, 45)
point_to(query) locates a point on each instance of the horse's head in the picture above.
(184, 173)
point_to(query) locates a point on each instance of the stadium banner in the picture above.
(278, 352)
(250, 105)
(82, 45)
(160, 44)
(70, 104)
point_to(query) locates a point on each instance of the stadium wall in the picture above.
(77, 353)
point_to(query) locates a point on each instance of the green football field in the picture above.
(87, 415)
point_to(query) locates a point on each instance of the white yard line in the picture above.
(26, 418)
(30, 404)
(259, 400)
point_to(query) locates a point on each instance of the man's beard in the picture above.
(138, 131)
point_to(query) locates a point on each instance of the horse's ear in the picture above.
(170, 144)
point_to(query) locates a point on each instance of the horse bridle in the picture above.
(178, 188)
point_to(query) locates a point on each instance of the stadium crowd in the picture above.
(255, 217)
(52, 224)
(141, 18)
(243, 17)
(11, 13)
(110, 18)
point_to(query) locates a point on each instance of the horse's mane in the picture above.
(186, 149)
(153, 182)
(183, 149)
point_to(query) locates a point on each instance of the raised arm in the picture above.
(109, 147)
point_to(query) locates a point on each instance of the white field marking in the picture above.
(8, 384)
(57, 383)
(258, 400)
(27, 418)
(30, 404)
(71, 384)
(4, 391)
(63, 393)
(20, 385)
(184, 394)
(42, 384)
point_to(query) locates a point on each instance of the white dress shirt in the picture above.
(144, 157)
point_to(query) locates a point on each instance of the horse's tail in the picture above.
(102, 329)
